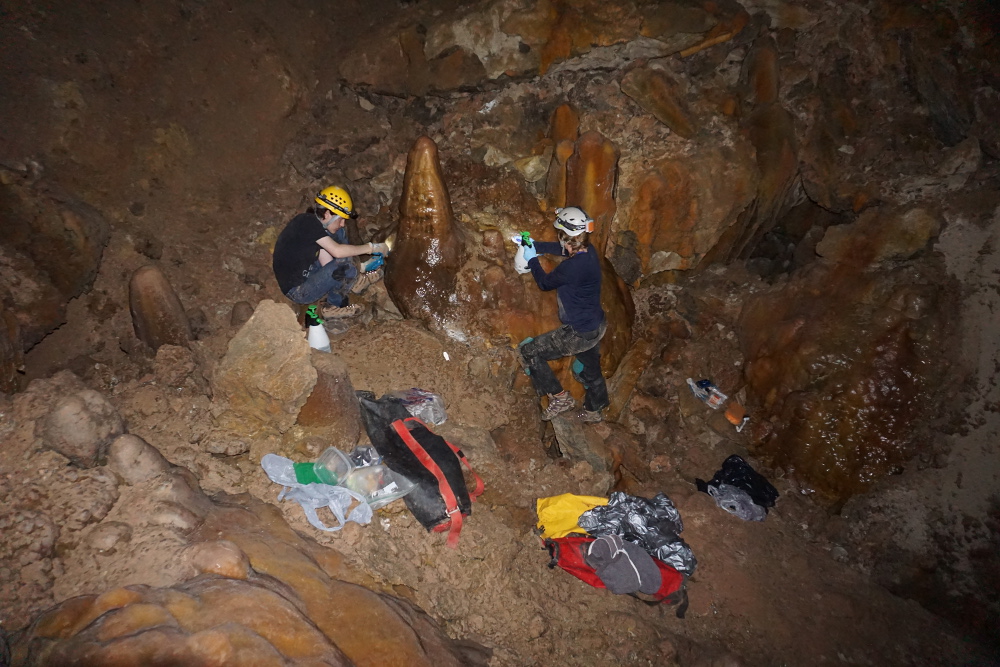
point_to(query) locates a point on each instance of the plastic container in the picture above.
(317, 336)
(332, 467)
(379, 485)
(707, 392)
(520, 264)
(426, 406)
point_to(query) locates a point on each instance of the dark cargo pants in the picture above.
(563, 342)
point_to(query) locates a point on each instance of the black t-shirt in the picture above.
(296, 249)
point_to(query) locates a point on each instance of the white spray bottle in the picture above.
(522, 241)
(317, 336)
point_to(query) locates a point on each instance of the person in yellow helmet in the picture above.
(312, 258)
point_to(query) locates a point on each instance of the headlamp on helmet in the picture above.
(573, 221)
(337, 200)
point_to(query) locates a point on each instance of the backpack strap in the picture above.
(454, 524)
(480, 485)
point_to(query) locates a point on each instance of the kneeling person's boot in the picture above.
(338, 312)
(366, 280)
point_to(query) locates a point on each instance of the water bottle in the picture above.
(522, 241)
(317, 336)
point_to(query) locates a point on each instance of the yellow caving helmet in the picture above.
(337, 200)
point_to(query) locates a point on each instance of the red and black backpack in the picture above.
(440, 498)
(569, 554)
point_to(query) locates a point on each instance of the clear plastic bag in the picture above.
(378, 485)
(312, 497)
(424, 405)
(364, 455)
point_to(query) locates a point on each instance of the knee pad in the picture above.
(524, 362)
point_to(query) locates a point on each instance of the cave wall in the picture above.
(729, 120)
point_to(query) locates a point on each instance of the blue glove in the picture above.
(530, 252)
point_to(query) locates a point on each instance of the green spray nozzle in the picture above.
(312, 317)
(526, 239)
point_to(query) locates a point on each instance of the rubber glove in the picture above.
(530, 252)
(381, 248)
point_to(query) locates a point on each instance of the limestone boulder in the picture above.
(81, 426)
(579, 441)
(879, 235)
(157, 314)
(51, 248)
(266, 375)
(684, 210)
(135, 460)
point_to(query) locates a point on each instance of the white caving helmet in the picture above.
(573, 221)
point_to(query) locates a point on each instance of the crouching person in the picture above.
(313, 260)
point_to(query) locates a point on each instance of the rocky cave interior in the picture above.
(797, 199)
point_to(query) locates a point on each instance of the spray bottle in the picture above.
(522, 241)
(317, 336)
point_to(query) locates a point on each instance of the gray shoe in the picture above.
(558, 404)
(590, 416)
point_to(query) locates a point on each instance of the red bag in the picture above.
(569, 554)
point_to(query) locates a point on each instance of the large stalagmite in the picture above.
(429, 251)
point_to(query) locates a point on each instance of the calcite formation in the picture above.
(684, 209)
(459, 280)
(253, 592)
(332, 404)
(656, 92)
(844, 361)
(591, 177)
(157, 314)
(429, 249)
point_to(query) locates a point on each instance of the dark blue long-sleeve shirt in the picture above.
(577, 282)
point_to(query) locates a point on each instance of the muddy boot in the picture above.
(590, 416)
(365, 280)
(558, 404)
(338, 313)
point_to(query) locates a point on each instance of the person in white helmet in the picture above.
(577, 281)
(312, 258)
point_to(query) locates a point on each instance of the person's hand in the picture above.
(529, 252)
(381, 248)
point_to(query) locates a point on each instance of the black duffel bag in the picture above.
(440, 498)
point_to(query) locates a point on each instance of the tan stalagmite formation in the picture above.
(429, 251)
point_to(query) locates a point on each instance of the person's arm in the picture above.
(342, 250)
(560, 275)
(548, 247)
